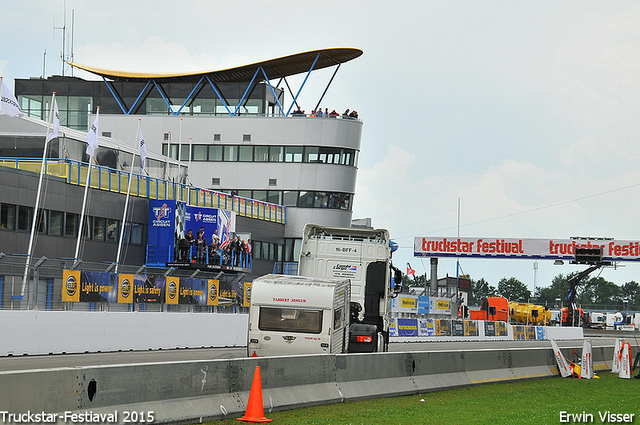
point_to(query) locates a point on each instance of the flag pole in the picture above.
(179, 153)
(126, 202)
(35, 209)
(189, 163)
(86, 190)
(166, 171)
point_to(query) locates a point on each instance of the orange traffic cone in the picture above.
(255, 409)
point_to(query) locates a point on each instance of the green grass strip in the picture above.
(538, 402)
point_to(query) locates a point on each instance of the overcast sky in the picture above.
(524, 113)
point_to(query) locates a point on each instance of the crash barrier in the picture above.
(195, 391)
(407, 329)
(54, 332)
(34, 332)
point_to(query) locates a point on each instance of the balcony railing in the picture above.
(109, 179)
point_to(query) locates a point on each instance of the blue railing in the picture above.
(109, 179)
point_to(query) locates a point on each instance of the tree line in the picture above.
(594, 293)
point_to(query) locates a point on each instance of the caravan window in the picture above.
(290, 320)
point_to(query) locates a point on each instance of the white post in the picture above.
(35, 209)
(84, 200)
(166, 173)
(126, 202)
(189, 164)
(179, 152)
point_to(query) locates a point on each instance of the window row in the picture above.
(267, 251)
(299, 198)
(253, 153)
(59, 223)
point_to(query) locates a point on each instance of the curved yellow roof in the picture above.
(274, 68)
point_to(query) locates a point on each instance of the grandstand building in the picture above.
(227, 139)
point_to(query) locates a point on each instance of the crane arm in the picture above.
(575, 281)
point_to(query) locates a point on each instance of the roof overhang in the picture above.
(273, 68)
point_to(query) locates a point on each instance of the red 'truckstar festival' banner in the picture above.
(544, 249)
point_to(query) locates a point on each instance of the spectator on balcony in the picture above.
(201, 243)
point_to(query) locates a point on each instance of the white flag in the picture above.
(586, 364)
(142, 148)
(56, 122)
(563, 365)
(92, 136)
(9, 104)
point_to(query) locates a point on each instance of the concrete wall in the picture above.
(195, 391)
(35, 332)
(53, 332)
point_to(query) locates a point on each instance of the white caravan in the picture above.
(298, 315)
(364, 257)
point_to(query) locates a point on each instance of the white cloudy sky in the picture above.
(526, 113)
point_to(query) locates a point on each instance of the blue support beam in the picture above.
(303, 83)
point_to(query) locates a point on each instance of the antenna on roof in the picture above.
(63, 55)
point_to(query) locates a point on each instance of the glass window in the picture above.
(276, 153)
(288, 250)
(8, 216)
(297, 247)
(260, 195)
(275, 197)
(290, 320)
(265, 250)
(306, 199)
(257, 249)
(112, 230)
(71, 224)
(244, 193)
(246, 153)
(25, 215)
(261, 153)
(200, 152)
(290, 198)
(293, 154)
(215, 153)
(340, 201)
(230, 153)
(174, 150)
(279, 252)
(184, 152)
(322, 200)
(348, 156)
(55, 223)
(86, 227)
(99, 228)
(41, 221)
(272, 252)
(133, 233)
(311, 154)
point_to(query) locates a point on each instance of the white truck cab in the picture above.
(364, 257)
(298, 315)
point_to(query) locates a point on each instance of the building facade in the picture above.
(229, 131)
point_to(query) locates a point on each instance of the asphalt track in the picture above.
(17, 363)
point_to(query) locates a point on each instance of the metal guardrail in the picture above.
(109, 179)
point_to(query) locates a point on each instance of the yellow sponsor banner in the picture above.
(212, 291)
(408, 302)
(71, 287)
(247, 294)
(501, 329)
(470, 328)
(125, 288)
(172, 288)
(442, 305)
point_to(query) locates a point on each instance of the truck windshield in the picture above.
(290, 320)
